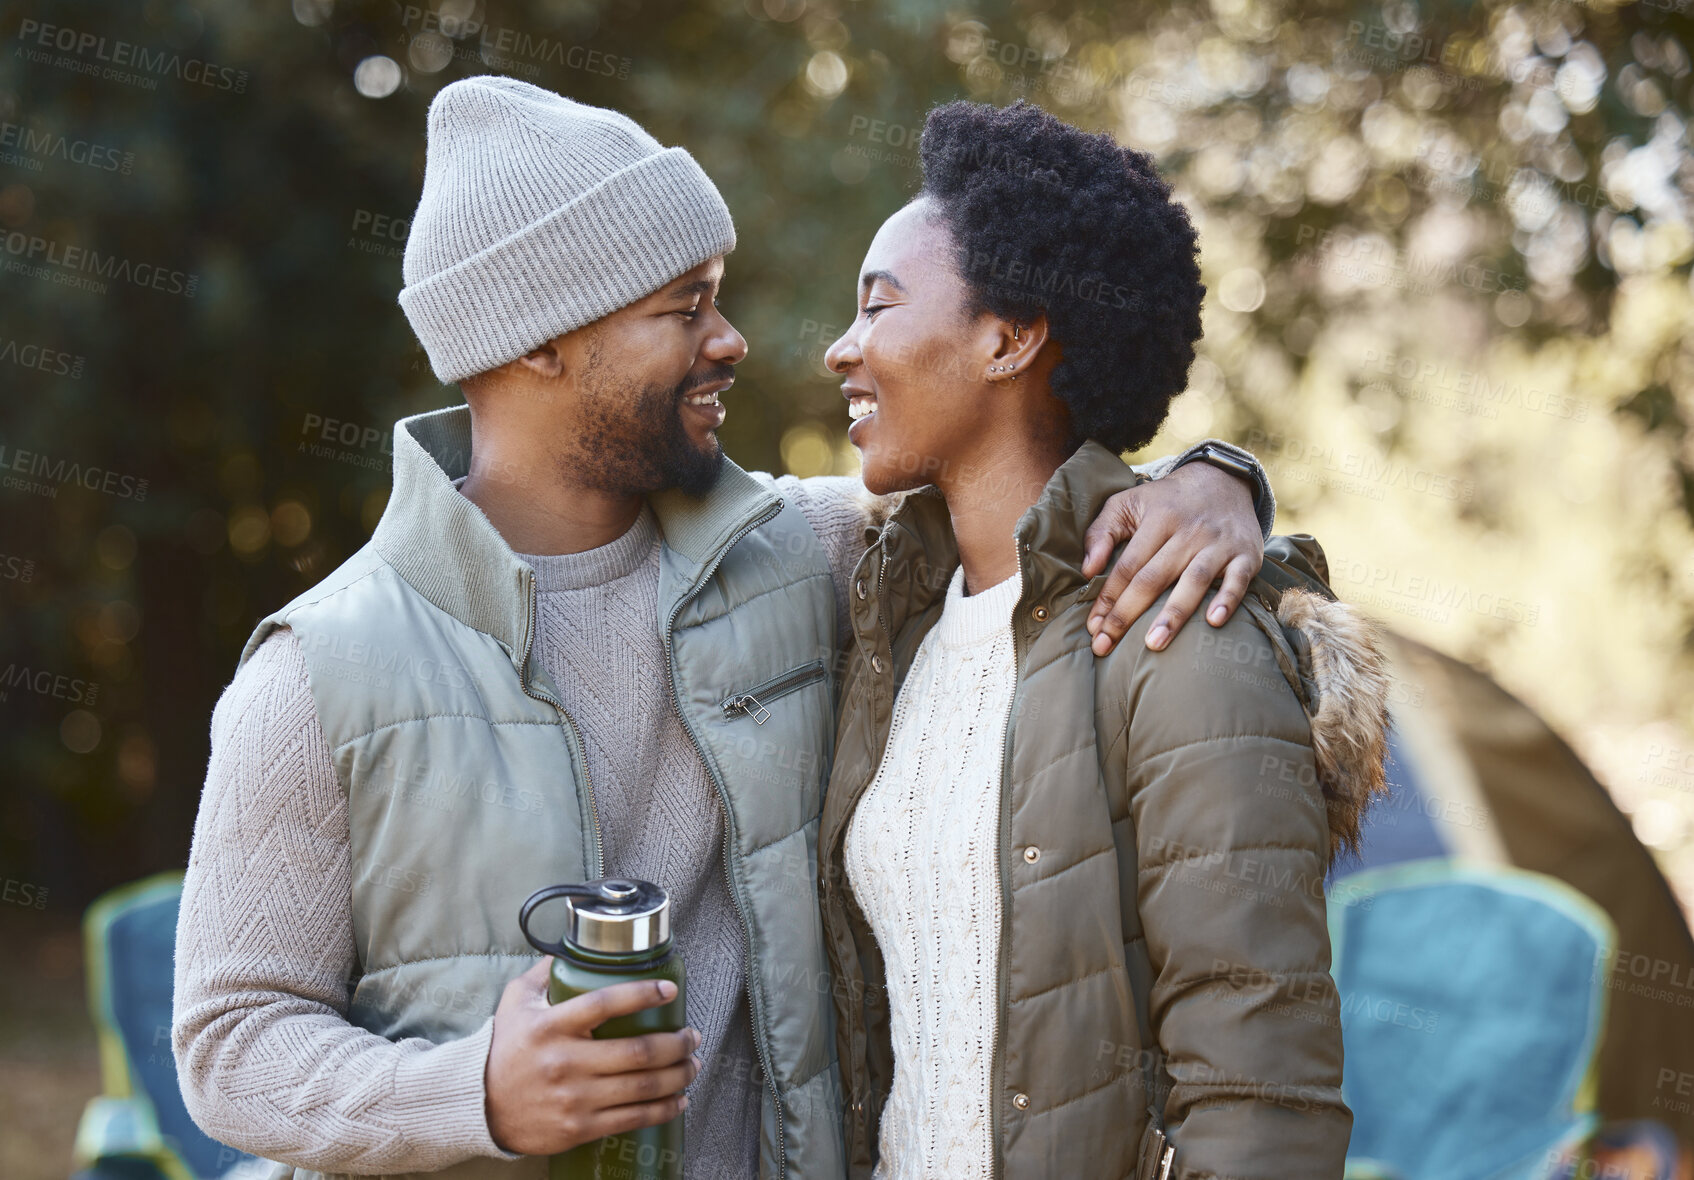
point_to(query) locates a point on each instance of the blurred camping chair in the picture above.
(1472, 1003)
(1476, 774)
(139, 1129)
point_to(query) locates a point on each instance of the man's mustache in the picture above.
(710, 376)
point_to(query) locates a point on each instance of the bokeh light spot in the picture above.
(377, 76)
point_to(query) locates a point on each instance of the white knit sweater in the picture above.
(922, 857)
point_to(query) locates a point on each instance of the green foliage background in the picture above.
(1498, 188)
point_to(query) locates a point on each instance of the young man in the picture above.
(580, 643)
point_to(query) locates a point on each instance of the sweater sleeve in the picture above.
(837, 508)
(265, 1056)
(1232, 846)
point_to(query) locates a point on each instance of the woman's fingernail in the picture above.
(1218, 614)
(1102, 644)
(667, 989)
(1094, 624)
(1158, 636)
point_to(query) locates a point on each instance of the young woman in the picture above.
(1075, 905)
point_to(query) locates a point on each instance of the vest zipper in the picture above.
(752, 702)
(996, 1065)
(729, 825)
(598, 858)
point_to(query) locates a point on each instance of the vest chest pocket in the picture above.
(753, 701)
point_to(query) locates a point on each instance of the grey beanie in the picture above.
(539, 215)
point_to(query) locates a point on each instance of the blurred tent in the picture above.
(1479, 778)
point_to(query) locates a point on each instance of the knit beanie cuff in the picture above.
(658, 218)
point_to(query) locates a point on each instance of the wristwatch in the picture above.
(1222, 459)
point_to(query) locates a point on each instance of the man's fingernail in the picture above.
(1094, 624)
(1102, 644)
(667, 989)
(1218, 614)
(1157, 637)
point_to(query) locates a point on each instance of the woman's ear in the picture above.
(1019, 346)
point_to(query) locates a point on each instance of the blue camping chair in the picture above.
(139, 1128)
(1472, 999)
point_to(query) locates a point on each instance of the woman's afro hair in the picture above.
(1048, 218)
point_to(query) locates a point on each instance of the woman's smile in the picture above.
(861, 408)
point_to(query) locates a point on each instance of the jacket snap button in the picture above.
(1040, 614)
(876, 662)
(1021, 1101)
(1032, 854)
(861, 587)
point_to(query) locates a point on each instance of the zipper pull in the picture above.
(749, 704)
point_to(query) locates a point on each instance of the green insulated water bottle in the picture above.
(616, 931)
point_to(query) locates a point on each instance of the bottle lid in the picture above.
(611, 916)
(626, 916)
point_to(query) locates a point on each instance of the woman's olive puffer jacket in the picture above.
(1165, 953)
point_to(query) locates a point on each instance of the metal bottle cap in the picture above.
(611, 916)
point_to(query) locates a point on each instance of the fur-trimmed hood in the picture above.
(1346, 663)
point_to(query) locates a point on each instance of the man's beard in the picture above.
(631, 440)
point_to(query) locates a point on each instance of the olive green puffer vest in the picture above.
(467, 784)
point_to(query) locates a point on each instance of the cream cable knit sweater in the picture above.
(922, 858)
(265, 951)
